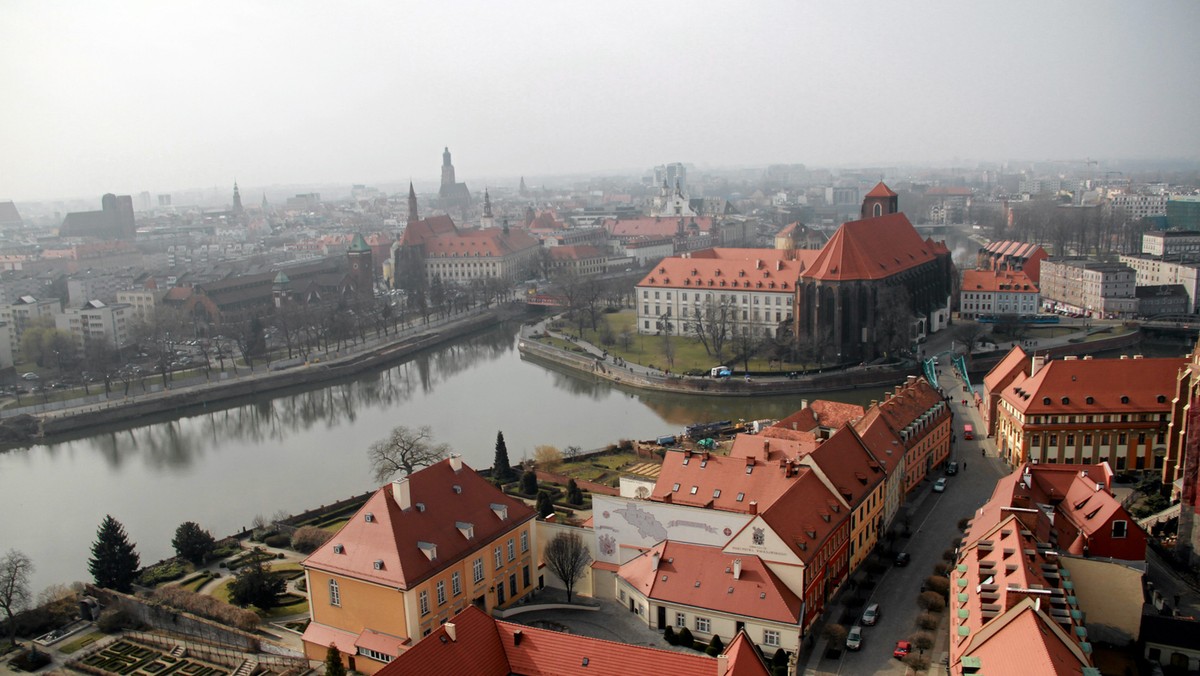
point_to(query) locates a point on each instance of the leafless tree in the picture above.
(970, 333)
(405, 449)
(893, 308)
(711, 325)
(568, 558)
(16, 569)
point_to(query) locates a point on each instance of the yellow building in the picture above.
(416, 554)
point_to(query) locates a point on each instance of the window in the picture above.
(499, 558)
(423, 602)
(335, 594)
(703, 625)
(477, 569)
(525, 575)
(524, 541)
(456, 583)
(771, 638)
(680, 620)
(441, 592)
(1120, 529)
(741, 496)
(375, 655)
(512, 549)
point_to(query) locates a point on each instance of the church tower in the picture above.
(523, 191)
(413, 217)
(447, 172)
(361, 269)
(881, 201)
(488, 221)
(237, 201)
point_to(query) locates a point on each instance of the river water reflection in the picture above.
(295, 451)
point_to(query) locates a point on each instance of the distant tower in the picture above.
(361, 269)
(524, 192)
(237, 200)
(447, 171)
(881, 201)
(279, 289)
(413, 217)
(487, 221)
(265, 206)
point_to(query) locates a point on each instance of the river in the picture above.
(296, 451)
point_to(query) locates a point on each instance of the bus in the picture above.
(968, 432)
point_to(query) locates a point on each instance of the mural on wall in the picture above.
(621, 522)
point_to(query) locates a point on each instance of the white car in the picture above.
(939, 486)
(854, 638)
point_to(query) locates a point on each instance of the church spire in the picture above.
(523, 190)
(413, 217)
(237, 199)
(487, 204)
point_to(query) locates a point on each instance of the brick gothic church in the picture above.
(849, 301)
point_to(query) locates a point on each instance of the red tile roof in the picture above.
(700, 576)
(719, 269)
(482, 646)
(822, 413)
(798, 516)
(1004, 372)
(848, 465)
(993, 281)
(1063, 386)
(486, 243)
(717, 483)
(908, 402)
(743, 658)
(418, 232)
(881, 190)
(393, 535)
(1024, 641)
(873, 248)
(546, 220)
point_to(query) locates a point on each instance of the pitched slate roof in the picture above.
(482, 646)
(1063, 386)
(872, 248)
(399, 539)
(700, 576)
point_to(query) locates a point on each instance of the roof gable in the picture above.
(873, 248)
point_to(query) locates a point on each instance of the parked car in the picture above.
(902, 559)
(952, 469)
(902, 649)
(871, 615)
(939, 486)
(30, 376)
(854, 638)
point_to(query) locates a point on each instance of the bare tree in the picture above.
(568, 558)
(405, 449)
(15, 571)
(970, 333)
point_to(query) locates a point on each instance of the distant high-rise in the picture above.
(452, 194)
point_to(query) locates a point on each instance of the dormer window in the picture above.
(467, 529)
(501, 511)
(339, 549)
(1045, 401)
(369, 517)
(1162, 399)
(1090, 400)
(1124, 399)
(428, 549)
(1066, 400)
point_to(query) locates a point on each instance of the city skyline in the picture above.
(146, 97)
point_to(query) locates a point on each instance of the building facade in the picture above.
(1171, 242)
(985, 292)
(1089, 288)
(1153, 270)
(96, 322)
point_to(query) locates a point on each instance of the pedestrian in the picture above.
(964, 465)
(983, 452)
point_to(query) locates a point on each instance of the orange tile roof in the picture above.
(483, 646)
(726, 269)
(418, 232)
(1004, 372)
(546, 220)
(873, 248)
(996, 281)
(1025, 641)
(728, 483)
(393, 536)
(700, 576)
(1148, 385)
(822, 413)
(743, 658)
(489, 242)
(883, 442)
(798, 516)
(849, 466)
(881, 190)
(908, 403)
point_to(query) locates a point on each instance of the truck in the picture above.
(720, 372)
(668, 440)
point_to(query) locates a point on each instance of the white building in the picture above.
(986, 292)
(1137, 207)
(1171, 242)
(1088, 287)
(97, 322)
(1154, 271)
(16, 316)
(142, 301)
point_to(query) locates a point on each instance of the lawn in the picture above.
(80, 641)
(690, 354)
(293, 603)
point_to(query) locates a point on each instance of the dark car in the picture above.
(902, 559)
(952, 469)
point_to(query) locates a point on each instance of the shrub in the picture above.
(574, 494)
(30, 660)
(166, 571)
(207, 607)
(669, 635)
(306, 539)
(941, 568)
(939, 584)
(715, 646)
(962, 523)
(277, 540)
(922, 640)
(949, 556)
(529, 485)
(836, 634)
(548, 458)
(928, 621)
(780, 659)
(625, 445)
(931, 601)
(916, 661)
(685, 638)
(545, 505)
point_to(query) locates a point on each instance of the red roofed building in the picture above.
(1016, 256)
(418, 552)
(917, 416)
(997, 379)
(473, 643)
(875, 287)
(1182, 463)
(711, 592)
(744, 288)
(822, 417)
(1088, 410)
(581, 260)
(986, 292)
(436, 247)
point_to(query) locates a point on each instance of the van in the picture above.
(968, 432)
(720, 372)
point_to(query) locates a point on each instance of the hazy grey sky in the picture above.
(131, 96)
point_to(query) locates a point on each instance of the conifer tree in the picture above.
(333, 662)
(115, 561)
(501, 465)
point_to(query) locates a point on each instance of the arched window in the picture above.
(878, 209)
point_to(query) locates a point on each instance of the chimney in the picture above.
(803, 403)
(753, 507)
(456, 463)
(766, 449)
(737, 569)
(402, 493)
(722, 664)
(1039, 360)
(451, 631)
(654, 559)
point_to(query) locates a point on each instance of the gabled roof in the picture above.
(474, 643)
(418, 231)
(908, 402)
(1064, 386)
(1004, 372)
(402, 540)
(806, 515)
(822, 413)
(848, 465)
(873, 248)
(703, 577)
(720, 269)
(1011, 281)
(486, 243)
(1025, 641)
(1012, 249)
(729, 483)
(881, 190)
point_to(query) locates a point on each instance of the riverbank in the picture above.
(69, 421)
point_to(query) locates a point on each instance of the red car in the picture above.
(902, 649)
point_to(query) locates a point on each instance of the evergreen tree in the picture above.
(501, 465)
(574, 494)
(529, 484)
(255, 585)
(715, 646)
(685, 638)
(114, 563)
(669, 635)
(333, 662)
(193, 543)
(545, 506)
